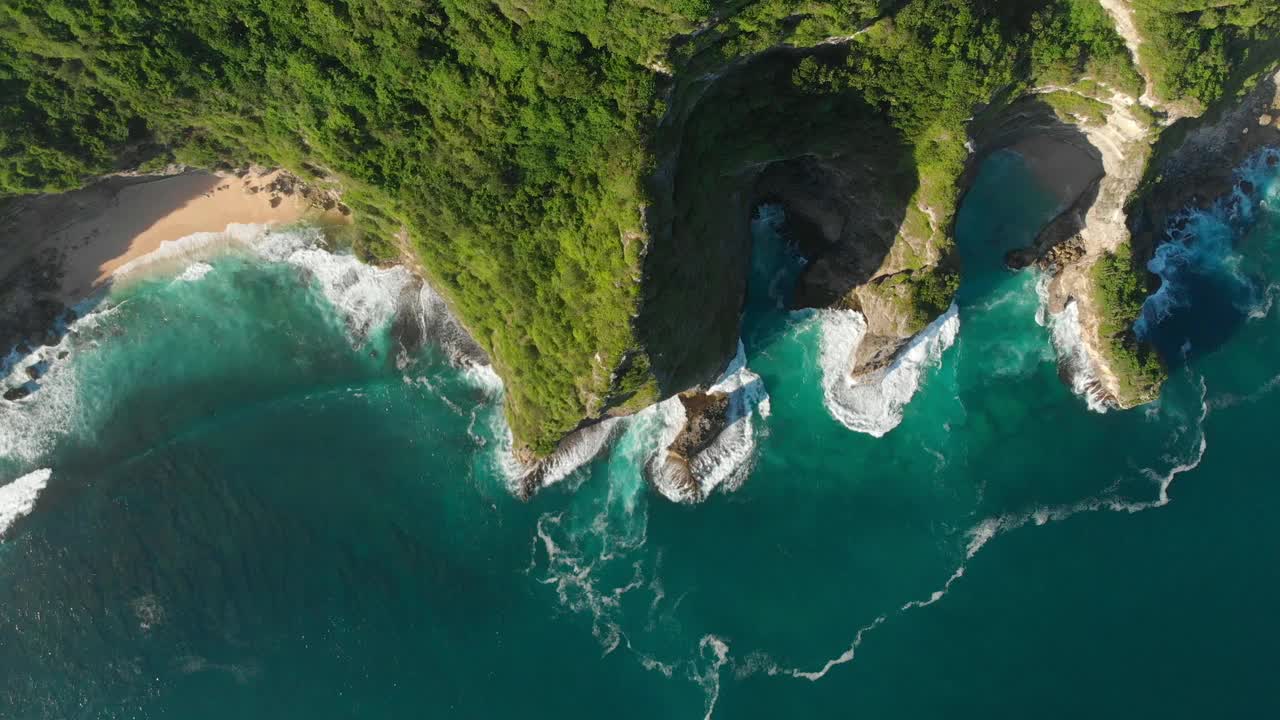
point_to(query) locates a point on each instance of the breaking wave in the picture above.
(437, 322)
(873, 405)
(366, 297)
(726, 462)
(1074, 360)
(47, 379)
(172, 256)
(1201, 244)
(195, 272)
(18, 498)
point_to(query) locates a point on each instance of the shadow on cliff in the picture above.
(1193, 169)
(841, 173)
(1060, 159)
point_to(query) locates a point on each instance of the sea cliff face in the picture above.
(578, 185)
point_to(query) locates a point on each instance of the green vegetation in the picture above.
(932, 294)
(927, 69)
(1075, 108)
(511, 139)
(519, 146)
(1197, 51)
(1078, 38)
(1120, 293)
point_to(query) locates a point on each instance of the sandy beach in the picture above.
(98, 229)
(57, 250)
(1061, 167)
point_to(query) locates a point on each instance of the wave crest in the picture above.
(874, 405)
(18, 498)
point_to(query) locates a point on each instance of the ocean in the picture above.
(234, 492)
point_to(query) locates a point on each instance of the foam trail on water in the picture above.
(18, 498)
(874, 405)
(982, 533)
(710, 679)
(845, 657)
(590, 547)
(989, 528)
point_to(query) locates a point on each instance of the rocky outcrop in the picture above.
(705, 417)
(1095, 168)
(847, 189)
(1200, 167)
(852, 222)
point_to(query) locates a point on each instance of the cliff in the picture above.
(577, 180)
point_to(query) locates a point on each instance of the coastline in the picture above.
(59, 250)
(1061, 168)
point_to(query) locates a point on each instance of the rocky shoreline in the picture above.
(1200, 166)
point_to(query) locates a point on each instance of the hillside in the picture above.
(577, 177)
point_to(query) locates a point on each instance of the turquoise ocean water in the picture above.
(237, 496)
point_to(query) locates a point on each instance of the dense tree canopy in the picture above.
(1201, 49)
(512, 141)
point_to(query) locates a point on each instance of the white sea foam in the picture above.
(28, 427)
(989, 528)
(1073, 355)
(190, 249)
(485, 379)
(727, 461)
(366, 297)
(874, 405)
(194, 272)
(844, 657)
(1203, 242)
(709, 679)
(437, 323)
(577, 450)
(18, 498)
(584, 550)
(574, 452)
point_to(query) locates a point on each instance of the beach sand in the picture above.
(59, 250)
(92, 232)
(1063, 168)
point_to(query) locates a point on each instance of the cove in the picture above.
(259, 505)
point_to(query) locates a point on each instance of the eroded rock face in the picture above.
(848, 211)
(1202, 167)
(1094, 170)
(844, 177)
(705, 417)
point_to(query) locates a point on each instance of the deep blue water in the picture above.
(259, 506)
